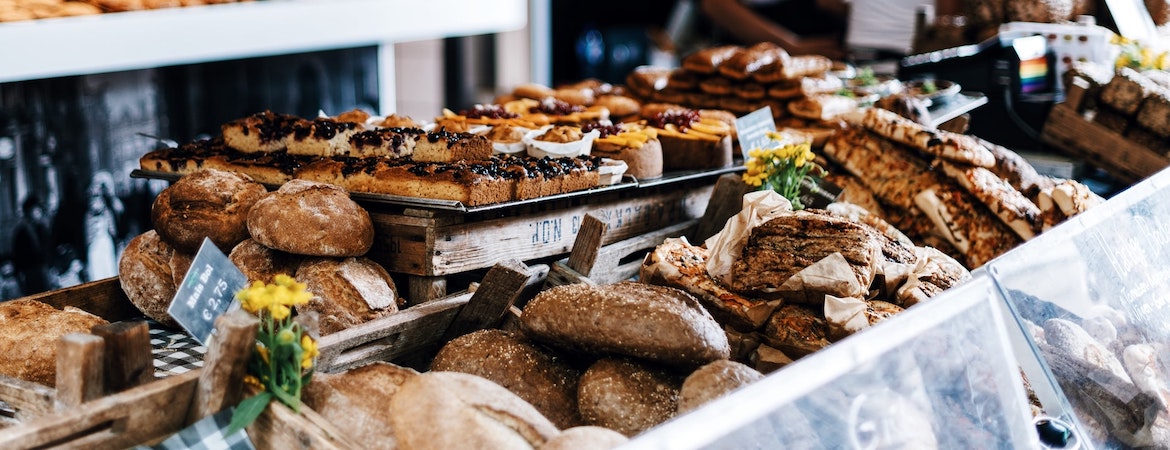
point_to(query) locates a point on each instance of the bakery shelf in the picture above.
(143, 39)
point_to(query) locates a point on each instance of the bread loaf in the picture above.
(627, 396)
(260, 263)
(712, 381)
(31, 330)
(797, 331)
(355, 401)
(149, 272)
(446, 410)
(347, 292)
(614, 319)
(310, 218)
(210, 203)
(515, 363)
(585, 438)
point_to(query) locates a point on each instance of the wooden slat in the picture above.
(387, 338)
(281, 428)
(225, 362)
(121, 420)
(588, 244)
(561, 274)
(1068, 131)
(496, 293)
(424, 289)
(27, 398)
(79, 369)
(609, 267)
(129, 361)
(102, 298)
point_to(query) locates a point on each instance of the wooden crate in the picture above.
(429, 244)
(1068, 130)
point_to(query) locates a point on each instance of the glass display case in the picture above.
(1092, 297)
(939, 375)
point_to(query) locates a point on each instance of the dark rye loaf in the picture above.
(656, 323)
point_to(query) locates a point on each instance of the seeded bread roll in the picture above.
(347, 292)
(1124, 93)
(614, 319)
(585, 438)
(713, 381)
(31, 330)
(150, 271)
(1154, 112)
(515, 363)
(446, 410)
(627, 396)
(311, 218)
(210, 203)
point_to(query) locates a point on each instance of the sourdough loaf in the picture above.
(614, 319)
(209, 203)
(347, 292)
(260, 263)
(712, 381)
(150, 271)
(311, 218)
(627, 396)
(585, 438)
(31, 330)
(355, 401)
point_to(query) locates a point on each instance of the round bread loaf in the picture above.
(260, 263)
(518, 365)
(210, 203)
(627, 396)
(446, 410)
(659, 324)
(150, 271)
(355, 401)
(347, 292)
(31, 330)
(311, 218)
(713, 381)
(586, 438)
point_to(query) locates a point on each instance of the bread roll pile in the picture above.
(1133, 104)
(311, 231)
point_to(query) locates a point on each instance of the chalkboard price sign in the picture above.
(207, 291)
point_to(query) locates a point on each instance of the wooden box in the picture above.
(1068, 130)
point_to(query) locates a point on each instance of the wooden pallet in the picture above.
(1068, 130)
(429, 245)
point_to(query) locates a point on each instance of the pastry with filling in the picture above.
(634, 143)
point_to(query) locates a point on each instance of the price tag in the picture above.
(817, 192)
(207, 291)
(752, 129)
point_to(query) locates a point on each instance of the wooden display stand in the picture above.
(1068, 130)
(430, 244)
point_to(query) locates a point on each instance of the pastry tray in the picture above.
(370, 199)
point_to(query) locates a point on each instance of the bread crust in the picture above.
(346, 291)
(149, 272)
(209, 203)
(31, 330)
(712, 381)
(310, 218)
(627, 396)
(598, 320)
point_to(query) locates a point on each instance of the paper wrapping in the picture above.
(846, 315)
(726, 245)
(832, 275)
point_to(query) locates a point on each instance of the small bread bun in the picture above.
(446, 410)
(260, 263)
(627, 396)
(347, 292)
(619, 105)
(210, 203)
(613, 319)
(533, 91)
(713, 381)
(150, 271)
(311, 218)
(586, 438)
(518, 365)
(31, 331)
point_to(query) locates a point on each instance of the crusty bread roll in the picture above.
(260, 263)
(210, 203)
(712, 381)
(446, 410)
(627, 396)
(614, 319)
(355, 401)
(515, 363)
(347, 292)
(585, 438)
(311, 218)
(31, 330)
(150, 271)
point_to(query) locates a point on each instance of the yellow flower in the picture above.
(263, 352)
(254, 382)
(286, 336)
(310, 352)
(279, 311)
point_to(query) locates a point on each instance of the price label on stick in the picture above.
(752, 129)
(207, 291)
